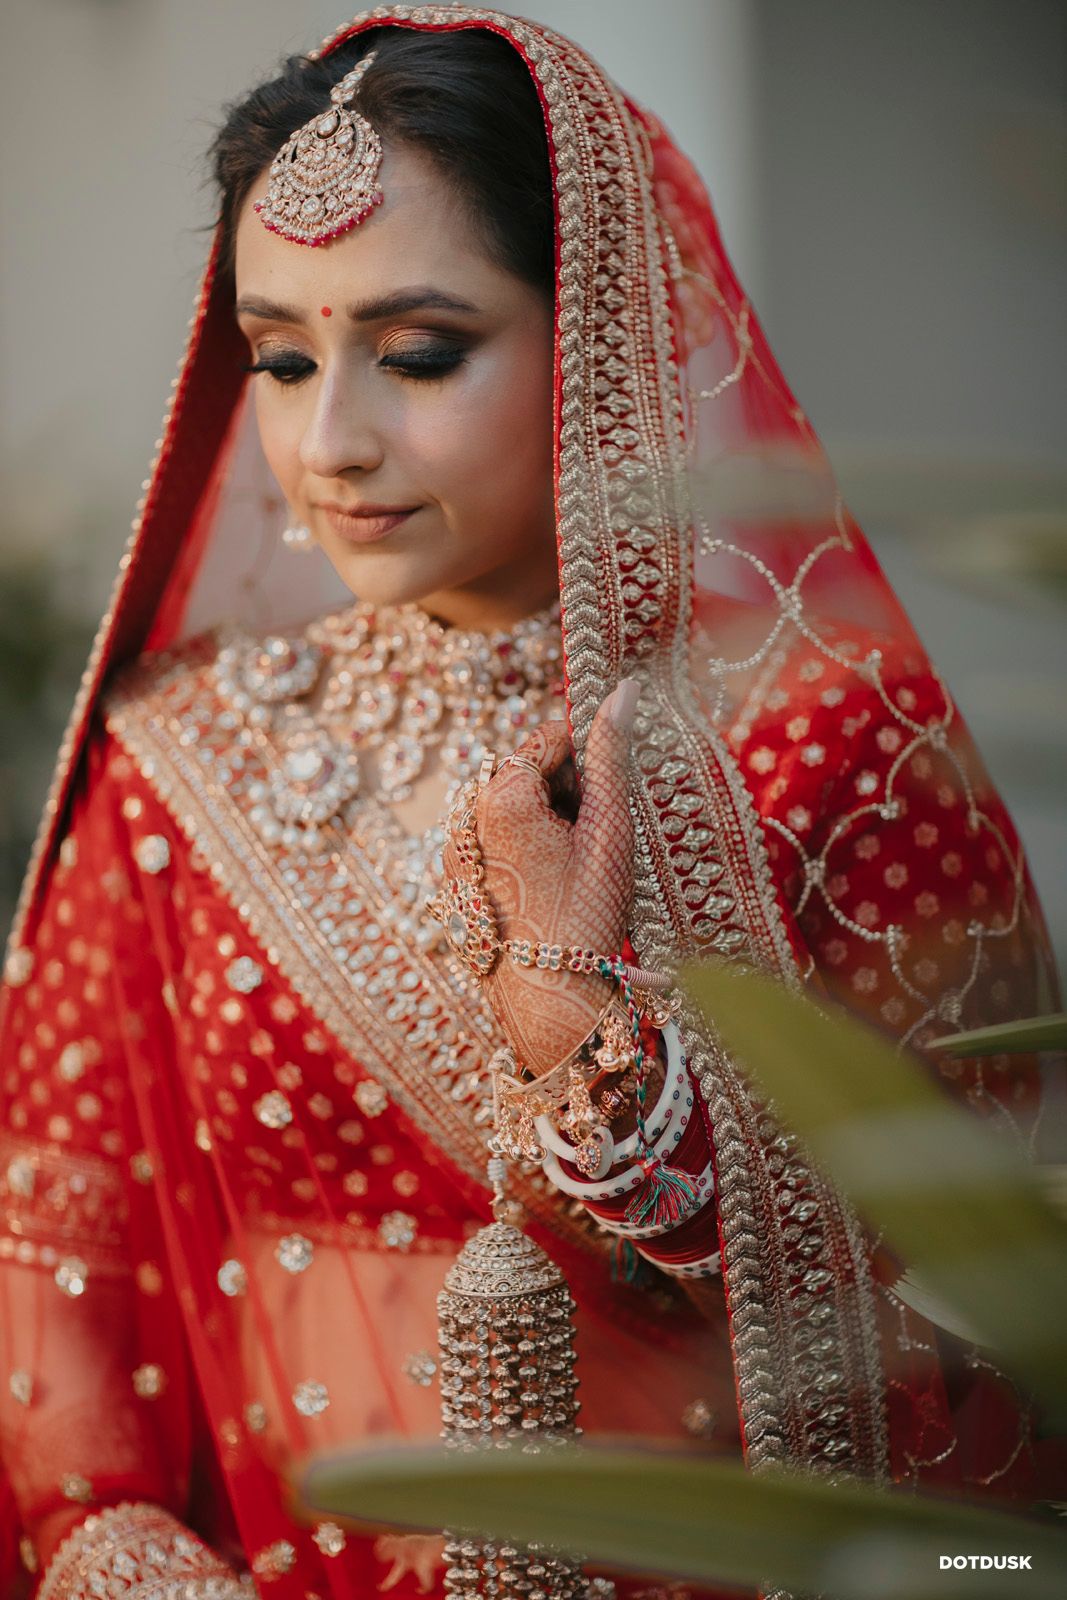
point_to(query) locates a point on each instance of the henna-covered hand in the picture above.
(555, 880)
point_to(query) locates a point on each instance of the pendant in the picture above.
(270, 670)
(312, 781)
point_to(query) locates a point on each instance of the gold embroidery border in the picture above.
(618, 542)
(724, 900)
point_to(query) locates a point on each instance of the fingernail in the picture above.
(622, 703)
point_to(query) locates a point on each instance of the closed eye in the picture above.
(427, 363)
(423, 363)
(285, 368)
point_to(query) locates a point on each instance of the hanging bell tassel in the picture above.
(507, 1377)
(666, 1195)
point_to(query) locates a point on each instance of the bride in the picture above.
(569, 666)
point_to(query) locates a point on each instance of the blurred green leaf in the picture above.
(704, 1520)
(1007, 1038)
(959, 1204)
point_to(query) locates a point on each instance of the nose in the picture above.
(340, 433)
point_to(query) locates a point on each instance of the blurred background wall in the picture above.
(890, 182)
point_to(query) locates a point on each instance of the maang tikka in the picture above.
(324, 178)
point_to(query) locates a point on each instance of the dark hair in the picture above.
(465, 97)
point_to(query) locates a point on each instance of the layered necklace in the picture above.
(389, 680)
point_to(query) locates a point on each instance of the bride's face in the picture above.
(407, 380)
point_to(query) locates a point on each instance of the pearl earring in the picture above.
(296, 536)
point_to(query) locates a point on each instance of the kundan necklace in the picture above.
(389, 680)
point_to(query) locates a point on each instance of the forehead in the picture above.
(421, 232)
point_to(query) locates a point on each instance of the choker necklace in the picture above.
(387, 679)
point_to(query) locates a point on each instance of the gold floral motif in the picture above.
(311, 1398)
(397, 1230)
(274, 1560)
(71, 1276)
(370, 1097)
(18, 967)
(244, 975)
(22, 1177)
(255, 1416)
(149, 1381)
(295, 1253)
(699, 1419)
(330, 1538)
(232, 1278)
(21, 1385)
(152, 853)
(71, 1063)
(141, 1169)
(148, 1277)
(273, 1110)
(420, 1367)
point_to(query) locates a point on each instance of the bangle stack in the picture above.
(565, 1114)
(524, 1104)
(554, 1119)
(674, 1238)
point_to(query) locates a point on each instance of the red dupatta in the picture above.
(805, 796)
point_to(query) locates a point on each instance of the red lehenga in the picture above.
(245, 1105)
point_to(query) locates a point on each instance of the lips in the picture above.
(366, 523)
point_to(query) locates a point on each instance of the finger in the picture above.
(546, 748)
(603, 842)
(517, 788)
(518, 796)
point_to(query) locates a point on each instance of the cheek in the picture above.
(493, 433)
(279, 438)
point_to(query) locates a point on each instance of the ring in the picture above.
(523, 761)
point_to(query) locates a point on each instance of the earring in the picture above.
(296, 536)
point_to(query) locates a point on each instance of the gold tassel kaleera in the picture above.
(507, 1379)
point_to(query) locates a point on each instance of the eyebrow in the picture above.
(389, 305)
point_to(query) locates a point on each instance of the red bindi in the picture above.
(326, 311)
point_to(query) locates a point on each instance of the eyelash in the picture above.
(290, 370)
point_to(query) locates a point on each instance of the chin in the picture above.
(387, 583)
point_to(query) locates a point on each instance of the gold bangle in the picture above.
(572, 1055)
